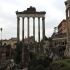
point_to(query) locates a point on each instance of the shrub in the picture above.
(46, 61)
(40, 61)
(32, 63)
(32, 68)
(39, 67)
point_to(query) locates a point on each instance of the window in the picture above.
(4, 43)
(63, 43)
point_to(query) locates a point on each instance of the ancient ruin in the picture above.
(30, 12)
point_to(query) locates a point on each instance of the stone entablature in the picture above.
(31, 15)
(31, 12)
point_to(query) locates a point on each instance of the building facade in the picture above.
(62, 27)
(59, 39)
(11, 42)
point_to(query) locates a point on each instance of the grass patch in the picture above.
(63, 61)
(60, 65)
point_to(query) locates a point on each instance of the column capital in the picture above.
(33, 17)
(23, 17)
(38, 17)
(28, 17)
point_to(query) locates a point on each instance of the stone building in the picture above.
(7, 47)
(62, 27)
(11, 42)
(3, 52)
(59, 40)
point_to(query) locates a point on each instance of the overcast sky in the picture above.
(55, 13)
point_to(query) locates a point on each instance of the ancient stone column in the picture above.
(39, 33)
(28, 30)
(22, 39)
(34, 28)
(67, 27)
(18, 29)
(39, 29)
(22, 29)
(43, 29)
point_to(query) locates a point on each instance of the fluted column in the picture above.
(34, 28)
(39, 29)
(18, 29)
(22, 39)
(28, 30)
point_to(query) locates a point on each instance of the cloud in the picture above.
(55, 13)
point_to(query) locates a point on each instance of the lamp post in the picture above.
(1, 35)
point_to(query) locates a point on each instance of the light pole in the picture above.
(1, 35)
